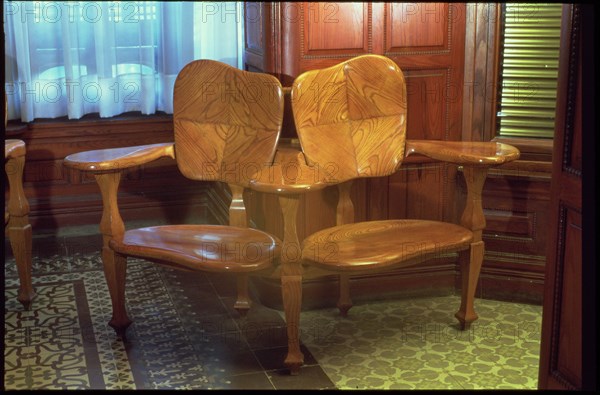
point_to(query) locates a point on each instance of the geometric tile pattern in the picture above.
(417, 344)
(186, 335)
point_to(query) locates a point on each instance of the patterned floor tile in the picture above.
(416, 344)
(186, 335)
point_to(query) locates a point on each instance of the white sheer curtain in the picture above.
(109, 57)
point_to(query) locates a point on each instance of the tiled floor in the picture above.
(186, 335)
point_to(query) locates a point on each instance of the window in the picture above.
(528, 69)
(109, 57)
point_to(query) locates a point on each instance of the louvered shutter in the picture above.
(528, 69)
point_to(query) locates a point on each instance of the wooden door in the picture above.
(562, 346)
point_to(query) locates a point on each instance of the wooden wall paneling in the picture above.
(376, 192)
(481, 70)
(415, 191)
(426, 106)
(416, 26)
(256, 38)
(434, 50)
(325, 29)
(330, 32)
(515, 236)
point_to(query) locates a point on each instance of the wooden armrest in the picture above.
(463, 152)
(289, 174)
(118, 158)
(14, 148)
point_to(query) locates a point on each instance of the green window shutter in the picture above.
(528, 69)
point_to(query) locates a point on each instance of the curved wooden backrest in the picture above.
(227, 121)
(351, 117)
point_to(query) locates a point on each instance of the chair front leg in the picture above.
(115, 265)
(470, 267)
(472, 260)
(19, 229)
(291, 282)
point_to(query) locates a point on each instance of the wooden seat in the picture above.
(16, 216)
(380, 244)
(210, 248)
(351, 124)
(226, 125)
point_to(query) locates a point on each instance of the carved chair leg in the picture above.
(18, 228)
(292, 299)
(243, 303)
(115, 270)
(470, 266)
(344, 302)
(291, 282)
(115, 265)
(20, 241)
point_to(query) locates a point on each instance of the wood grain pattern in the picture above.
(416, 26)
(227, 121)
(374, 245)
(118, 158)
(337, 108)
(13, 148)
(226, 125)
(291, 282)
(354, 116)
(16, 218)
(16, 215)
(464, 152)
(289, 174)
(214, 248)
(324, 21)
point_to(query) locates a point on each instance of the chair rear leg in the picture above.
(243, 303)
(470, 267)
(344, 302)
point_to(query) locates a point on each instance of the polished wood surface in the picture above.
(289, 174)
(118, 158)
(379, 244)
(227, 121)
(226, 128)
(464, 152)
(16, 218)
(351, 118)
(13, 148)
(212, 248)
(356, 121)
